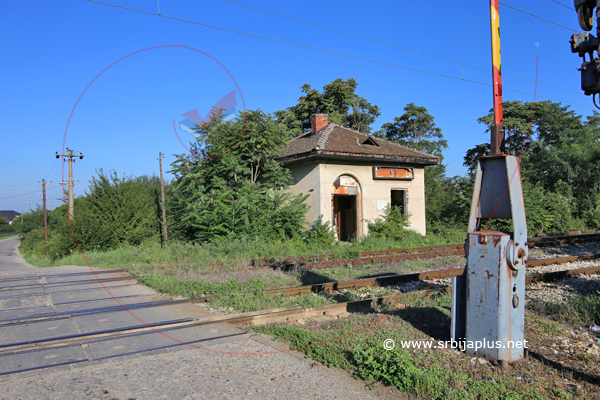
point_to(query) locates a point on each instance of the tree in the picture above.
(4, 225)
(118, 211)
(416, 129)
(236, 190)
(549, 122)
(560, 164)
(338, 99)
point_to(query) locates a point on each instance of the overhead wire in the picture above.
(53, 165)
(325, 50)
(537, 16)
(396, 46)
(564, 5)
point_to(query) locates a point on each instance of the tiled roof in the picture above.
(334, 140)
(9, 214)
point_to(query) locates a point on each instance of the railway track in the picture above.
(42, 347)
(325, 261)
(335, 310)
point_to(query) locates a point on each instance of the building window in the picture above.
(399, 199)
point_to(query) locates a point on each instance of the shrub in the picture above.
(392, 226)
(320, 233)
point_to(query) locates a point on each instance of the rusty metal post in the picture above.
(488, 300)
(488, 307)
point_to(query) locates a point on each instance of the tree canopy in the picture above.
(559, 166)
(338, 99)
(550, 122)
(415, 128)
(233, 186)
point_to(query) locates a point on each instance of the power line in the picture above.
(25, 194)
(353, 34)
(396, 46)
(564, 5)
(537, 16)
(18, 195)
(328, 51)
(53, 165)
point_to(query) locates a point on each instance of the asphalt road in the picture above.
(63, 335)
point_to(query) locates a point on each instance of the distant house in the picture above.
(351, 177)
(9, 215)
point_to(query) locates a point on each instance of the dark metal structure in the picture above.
(586, 43)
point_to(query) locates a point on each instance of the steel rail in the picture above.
(68, 314)
(121, 355)
(389, 280)
(277, 315)
(558, 240)
(19, 278)
(255, 318)
(85, 282)
(250, 318)
(63, 291)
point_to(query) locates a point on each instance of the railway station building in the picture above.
(351, 177)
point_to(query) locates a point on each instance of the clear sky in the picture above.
(53, 51)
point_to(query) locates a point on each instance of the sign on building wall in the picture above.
(396, 173)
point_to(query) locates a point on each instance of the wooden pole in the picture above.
(162, 195)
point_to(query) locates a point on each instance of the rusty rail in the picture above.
(391, 255)
(561, 260)
(389, 280)
(558, 240)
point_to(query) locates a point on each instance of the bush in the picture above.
(392, 226)
(320, 233)
(392, 367)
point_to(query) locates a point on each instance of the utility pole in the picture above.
(51, 204)
(70, 156)
(43, 182)
(162, 194)
(29, 204)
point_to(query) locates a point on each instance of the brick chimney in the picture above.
(318, 121)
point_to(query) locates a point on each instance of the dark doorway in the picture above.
(344, 214)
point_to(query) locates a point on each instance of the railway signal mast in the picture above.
(586, 43)
(488, 300)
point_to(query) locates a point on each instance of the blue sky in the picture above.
(52, 51)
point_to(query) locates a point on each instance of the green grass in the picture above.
(233, 254)
(428, 374)
(233, 295)
(8, 234)
(579, 310)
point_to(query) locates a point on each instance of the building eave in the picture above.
(343, 156)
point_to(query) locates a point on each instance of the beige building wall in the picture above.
(320, 177)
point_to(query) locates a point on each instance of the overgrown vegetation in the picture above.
(232, 295)
(426, 373)
(232, 191)
(6, 230)
(234, 253)
(579, 310)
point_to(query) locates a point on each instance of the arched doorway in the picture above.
(346, 206)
